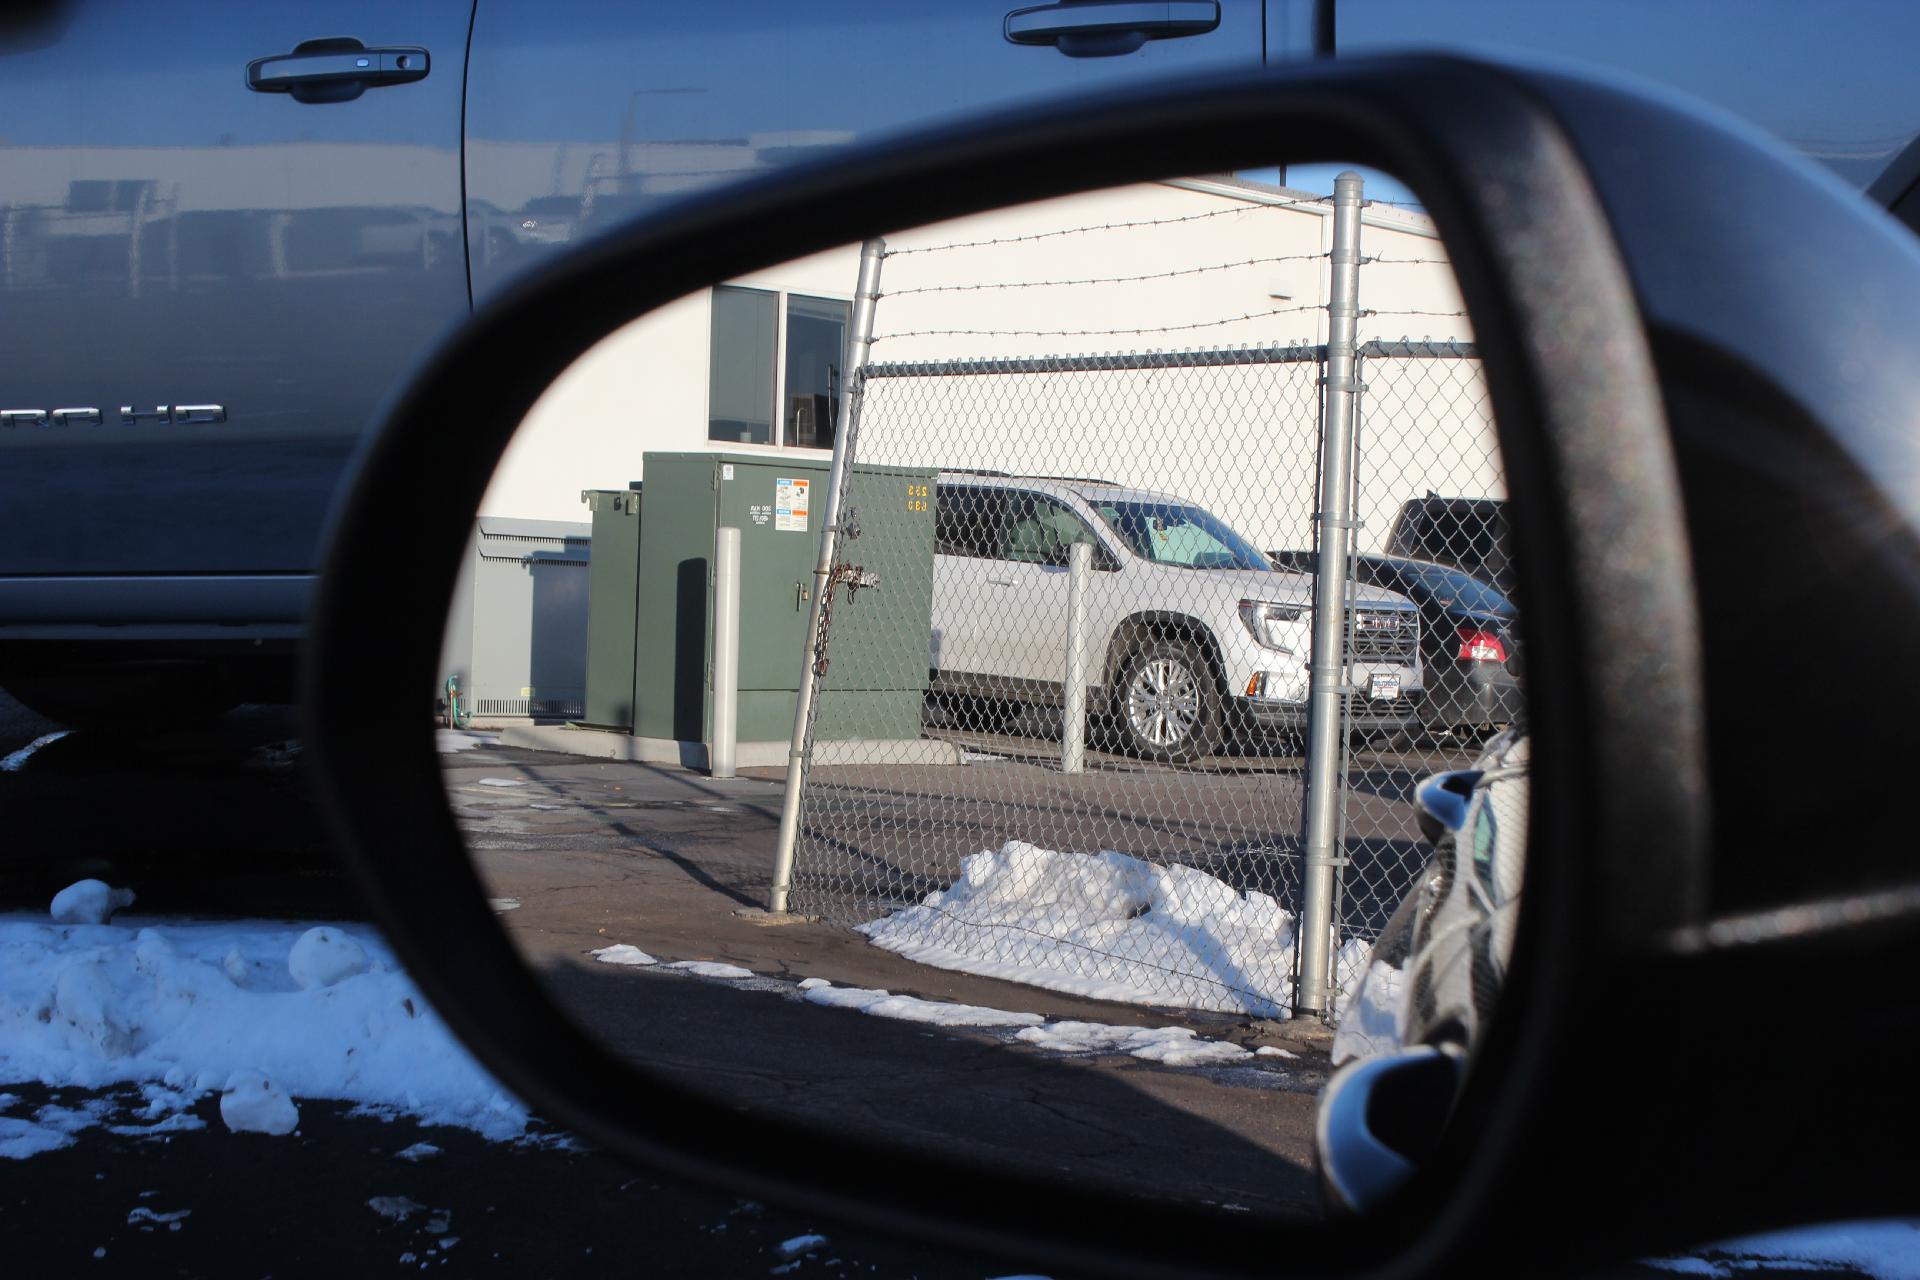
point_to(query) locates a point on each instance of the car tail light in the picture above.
(1477, 644)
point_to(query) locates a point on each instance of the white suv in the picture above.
(1192, 634)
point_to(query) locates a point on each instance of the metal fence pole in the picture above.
(726, 652)
(859, 344)
(1073, 724)
(1325, 724)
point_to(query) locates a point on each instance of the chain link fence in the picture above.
(1068, 562)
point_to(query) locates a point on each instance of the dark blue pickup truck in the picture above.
(227, 229)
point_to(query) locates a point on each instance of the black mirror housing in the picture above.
(1585, 299)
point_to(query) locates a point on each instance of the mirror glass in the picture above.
(1079, 869)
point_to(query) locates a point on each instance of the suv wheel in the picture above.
(1168, 703)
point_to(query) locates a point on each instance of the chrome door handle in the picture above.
(1102, 28)
(336, 70)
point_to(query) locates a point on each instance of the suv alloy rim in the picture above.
(1163, 702)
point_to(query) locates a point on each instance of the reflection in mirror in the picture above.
(1078, 869)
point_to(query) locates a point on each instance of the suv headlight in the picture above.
(1273, 626)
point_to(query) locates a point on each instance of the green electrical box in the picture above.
(613, 592)
(879, 654)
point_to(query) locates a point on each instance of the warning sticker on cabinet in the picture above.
(790, 505)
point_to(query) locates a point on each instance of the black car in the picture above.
(1468, 644)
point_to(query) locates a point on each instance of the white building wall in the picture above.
(1241, 441)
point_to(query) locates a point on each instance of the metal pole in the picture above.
(726, 652)
(860, 341)
(1326, 730)
(1073, 726)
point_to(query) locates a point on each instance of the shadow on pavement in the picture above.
(1125, 1125)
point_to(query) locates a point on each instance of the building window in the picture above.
(773, 348)
(816, 356)
(740, 367)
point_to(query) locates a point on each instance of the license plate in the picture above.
(1383, 686)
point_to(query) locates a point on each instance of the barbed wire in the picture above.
(1104, 226)
(1449, 315)
(1095, 333)
(1405, 262)
(1154, 275)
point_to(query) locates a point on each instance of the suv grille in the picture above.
(1384, 635)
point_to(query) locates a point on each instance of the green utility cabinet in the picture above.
(613, 582)
(877, 677)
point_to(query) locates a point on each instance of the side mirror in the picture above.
(1666, 378)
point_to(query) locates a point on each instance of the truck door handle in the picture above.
(338, 69)
(1003, 582)
(1103, 28)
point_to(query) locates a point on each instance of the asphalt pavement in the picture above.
(218, 821)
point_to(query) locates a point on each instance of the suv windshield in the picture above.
(1170, 533)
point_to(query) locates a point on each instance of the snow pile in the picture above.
(323, 956)
(1107, 926)
(503, 782)
(253, 1104)
(1174, 1046)
(884, 1004)
(261, 1011)
(89, 902)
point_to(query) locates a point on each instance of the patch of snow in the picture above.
(20, 1139)
(505, 904)
(395, 1208)
(503, 782)
(73, 1119)
(17, 760)
(787, 1250)
(1274, 1051)
(417, 1152)
(884, 1004)
(88, 902)
(1174, 1046)
(254, 1104)
(1107, 926)
(190, 1004)
(178, 1123)
(709, 969)
(1886, 1249)
(322, 956)
(144, 1214)
(453, 741)
(621, 953)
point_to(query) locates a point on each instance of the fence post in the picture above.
(1073, 724)
(1326, 728)
(859, 342)
(726, 652)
